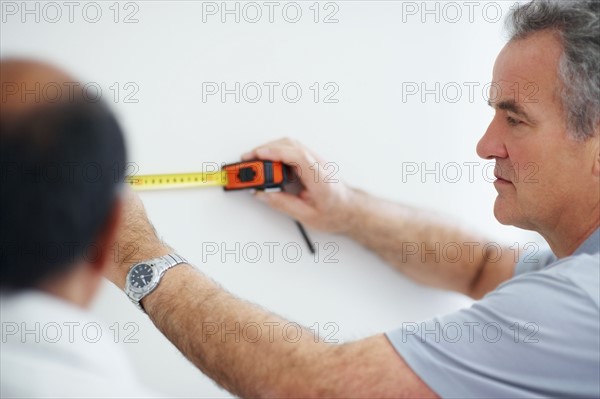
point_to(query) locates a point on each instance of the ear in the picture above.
(107, 237)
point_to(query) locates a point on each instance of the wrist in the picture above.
(352, 211)
(136, 241)
(169, 287)
(128, 254)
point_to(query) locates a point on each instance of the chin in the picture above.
(506, 214)
(511, 216)
(502, 218)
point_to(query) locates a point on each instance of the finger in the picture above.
(293, 156)
(288, 204)
(298, 158)
(252, 154)
(249, 155)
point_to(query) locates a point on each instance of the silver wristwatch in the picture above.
(143, 277)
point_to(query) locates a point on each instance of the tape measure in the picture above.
(236, 176)
(258, 175)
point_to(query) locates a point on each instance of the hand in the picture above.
(322, 205)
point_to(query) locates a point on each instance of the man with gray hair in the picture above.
(534, 329)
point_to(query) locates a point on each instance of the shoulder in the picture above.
(581, 271)
(49, 341)
(547, 319)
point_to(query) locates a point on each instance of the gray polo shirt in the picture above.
(537, 334)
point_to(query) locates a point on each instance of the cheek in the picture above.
(529, 167)
(530, 174)
(547, 177)
(533, 174)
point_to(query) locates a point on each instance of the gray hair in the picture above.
(577, 23)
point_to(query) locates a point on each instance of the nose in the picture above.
(491, 145)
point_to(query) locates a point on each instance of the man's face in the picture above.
(543, 174)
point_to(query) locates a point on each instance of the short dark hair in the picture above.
(578, 25)
(61, 170)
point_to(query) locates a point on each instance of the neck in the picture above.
(565, 240)
(77, 287)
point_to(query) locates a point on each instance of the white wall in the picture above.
(374, 53)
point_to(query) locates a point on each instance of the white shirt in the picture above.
(52, 348)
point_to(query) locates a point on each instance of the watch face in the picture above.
(141, 275)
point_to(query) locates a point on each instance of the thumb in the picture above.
(286, 203)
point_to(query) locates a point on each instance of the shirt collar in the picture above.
(591, 245)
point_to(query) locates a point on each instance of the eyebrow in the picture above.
(512, 106)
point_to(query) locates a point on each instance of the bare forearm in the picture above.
(417, 243)
(249, 351)
(254, 353)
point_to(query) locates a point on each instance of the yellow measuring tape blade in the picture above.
(177, 180)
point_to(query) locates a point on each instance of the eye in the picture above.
(512, 121)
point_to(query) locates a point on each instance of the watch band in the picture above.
(172, 260)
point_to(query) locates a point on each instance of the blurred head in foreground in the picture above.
(61, 167)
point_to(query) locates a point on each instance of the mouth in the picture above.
(500, 180)
(500, 171)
